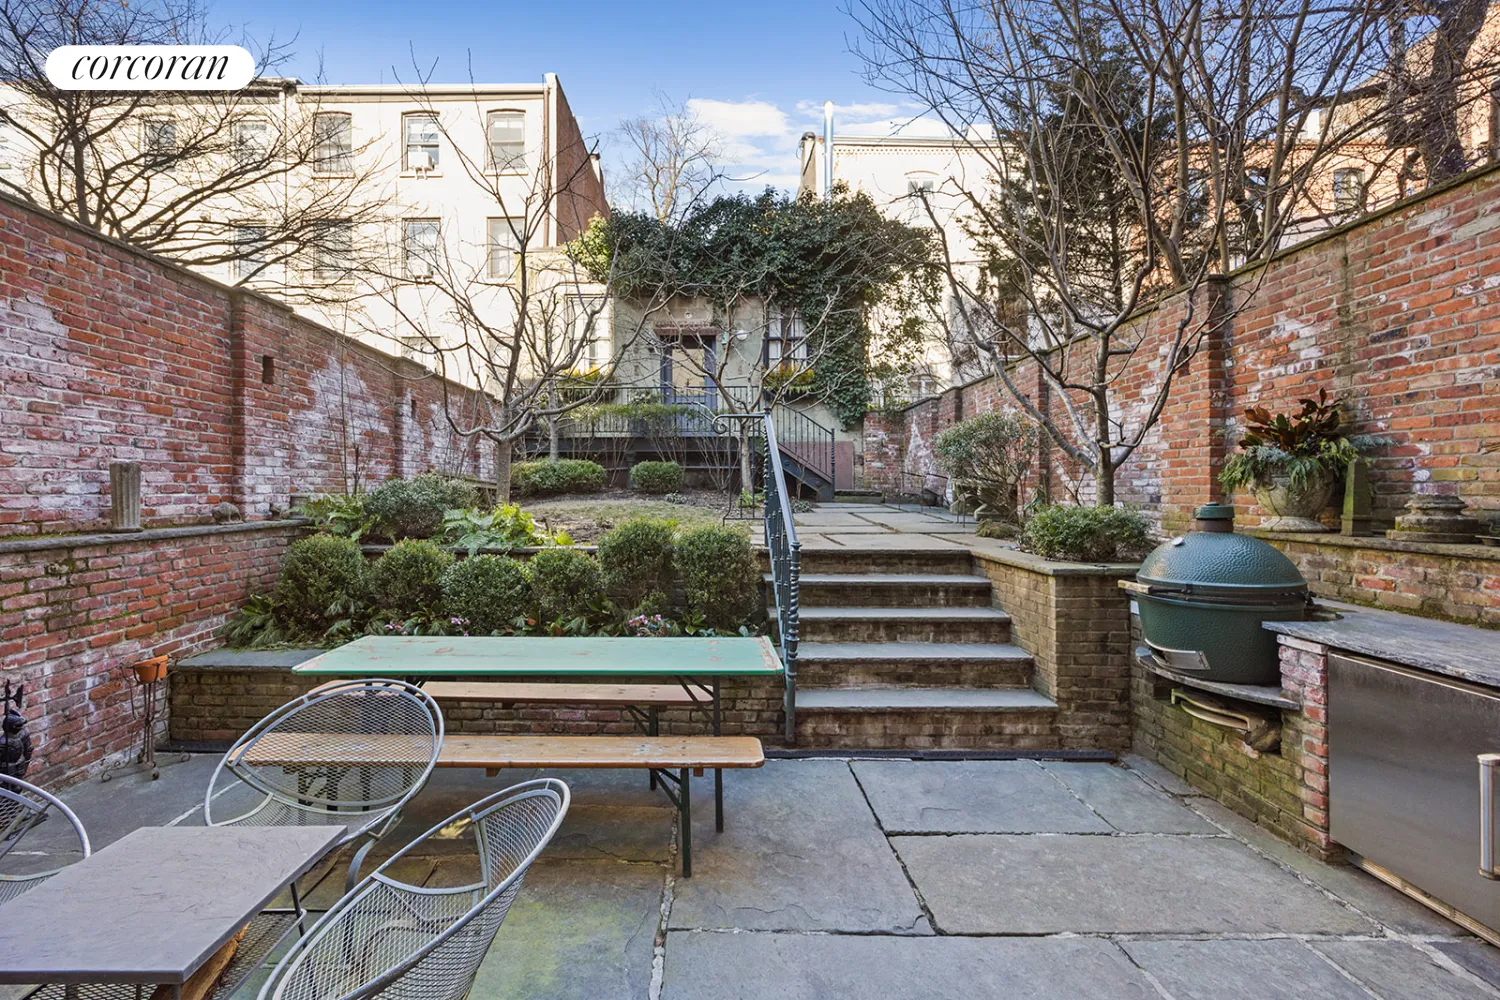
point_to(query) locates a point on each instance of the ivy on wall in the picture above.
(834, 262)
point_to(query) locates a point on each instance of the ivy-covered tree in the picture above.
(829, 262)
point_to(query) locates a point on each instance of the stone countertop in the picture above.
(1462, 651)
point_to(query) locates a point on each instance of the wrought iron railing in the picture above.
(786, 566)
(805, 440)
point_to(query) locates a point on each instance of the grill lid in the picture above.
(1221, 564)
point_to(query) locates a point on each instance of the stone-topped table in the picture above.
(1465, 652)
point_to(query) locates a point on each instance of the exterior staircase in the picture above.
(904, 649)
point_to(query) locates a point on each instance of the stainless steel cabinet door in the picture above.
(1403, 776)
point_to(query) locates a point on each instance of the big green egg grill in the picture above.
(1202, 597)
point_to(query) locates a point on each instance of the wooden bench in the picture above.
(673, 759)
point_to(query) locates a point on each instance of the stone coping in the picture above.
(1380, 543)
(95, 539)
(1463, 651)
(1033, 563)
(1257, 693)
(519, 550)
(248, 660)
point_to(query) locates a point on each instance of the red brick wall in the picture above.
(1399, 315)
(105, 354)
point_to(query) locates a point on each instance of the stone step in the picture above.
(875, 624)
(893, 560)
(926, 719)
(912, 664)
(893, 590)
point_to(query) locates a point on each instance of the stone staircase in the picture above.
(904, 649)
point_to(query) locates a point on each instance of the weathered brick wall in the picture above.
(75, 617)
(107, 353)
(1285, 791)
(1076, 625)
(1399, 314)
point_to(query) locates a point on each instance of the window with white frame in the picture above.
(420, 243)
(588, 333)
(251, 250)
(334, 134)
(333, 251)
(506, 238)
(1349, 189)
(786, 342)
(251, 141)
(422, 142)
(505, 131)
(159, 140)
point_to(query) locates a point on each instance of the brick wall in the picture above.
(1399, 314)
(107, 353)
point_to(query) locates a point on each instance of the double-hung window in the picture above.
(505, 131)
(421, 246)
(159, 137)
(422, 142)
(507, 237)
(250, 250)
(334, 153)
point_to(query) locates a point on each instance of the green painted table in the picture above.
(696, 663)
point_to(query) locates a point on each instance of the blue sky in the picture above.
(758, 71)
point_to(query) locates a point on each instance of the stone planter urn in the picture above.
(1293, 508)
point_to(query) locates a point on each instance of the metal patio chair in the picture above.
(24, 807)
(350, 753)
(406, 942)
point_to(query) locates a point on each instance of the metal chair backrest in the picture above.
(355, 746)
(23, 807)
(404, 942)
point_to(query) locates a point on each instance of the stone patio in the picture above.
(903, 880)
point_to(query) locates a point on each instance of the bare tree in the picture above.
(672, 160)
(1129, 151)
(257, 178)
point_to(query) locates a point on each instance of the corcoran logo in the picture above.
(150, 67)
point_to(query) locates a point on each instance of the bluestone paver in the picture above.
(972, 796)
(1125, 801)
(1242, 970)
(1397, 971)
(1121, 884)
(800, 851)
(1475, 957)
(842, 967)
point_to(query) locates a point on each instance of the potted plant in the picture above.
(1292, 462)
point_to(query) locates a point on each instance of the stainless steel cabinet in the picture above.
(1403, 776)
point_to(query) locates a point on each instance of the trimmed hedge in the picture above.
(719, 575)
(656, 477)
(323, 579)
(408, 577)
(636, 561)
(564, 583)
(414, 508)
(548, 478)
(489, 592)
(1086, 534)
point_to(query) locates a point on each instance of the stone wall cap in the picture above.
(247, 660)
(87, 540)
(1034, 563)
(1466, 652)
(1380, 544)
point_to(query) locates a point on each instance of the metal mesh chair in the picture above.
(349, 754)
(23, 807)
(405, 942)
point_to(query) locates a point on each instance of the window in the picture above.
(786, 342)
(506, 134)
(334, 152)
(1349, 190)
(507, 237)
(159, 139)
(421, 245)
(333, 252)
(251, 142)
(421, 142)
(586, 327)
(920, 187)
(251, 250)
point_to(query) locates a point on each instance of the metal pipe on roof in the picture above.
(827, 150)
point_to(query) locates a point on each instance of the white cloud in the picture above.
(741, 119)
(854, 112)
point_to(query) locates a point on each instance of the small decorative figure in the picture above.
(227, 513)
(15, 741)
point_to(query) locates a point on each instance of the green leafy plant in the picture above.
(676, 498)
(415, 507)
(1299, 446)
(255, 626)
(1086, 534)
(718, 573)
(408, 578)
(988, 459)
(549, 478)
(748, 500)
(338, 514)
(324, 580)
(489, 593)
(790, 382)
(564, 584)
(656, 477)
(505, 527)
(636, 562)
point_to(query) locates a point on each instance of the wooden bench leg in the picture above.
(719, 799)
(653, 728)
(685, 819)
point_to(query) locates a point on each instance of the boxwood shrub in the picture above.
(718, 574)
(414, 508)
(488, 592)
(564, 583)
(548, 478)
(1086, 534)
(324, 578)
(635, 559)
(408, 578)
(656, 477)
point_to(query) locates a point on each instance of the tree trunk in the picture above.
(503, 450)
(1104, 478)
(553, 435)
(747, 466)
